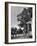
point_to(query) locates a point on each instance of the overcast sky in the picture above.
(14, 12)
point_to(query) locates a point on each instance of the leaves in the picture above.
(25, 16)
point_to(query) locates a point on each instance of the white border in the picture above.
(9, 26)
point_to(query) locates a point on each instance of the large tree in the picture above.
(24, 17)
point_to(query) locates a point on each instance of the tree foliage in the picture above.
(25, 16)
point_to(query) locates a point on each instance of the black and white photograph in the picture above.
(21, 22)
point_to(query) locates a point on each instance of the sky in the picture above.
(14, 12)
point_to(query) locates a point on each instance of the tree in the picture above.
(13, 31)
(24, 17)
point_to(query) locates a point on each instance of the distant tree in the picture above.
(13, 31)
